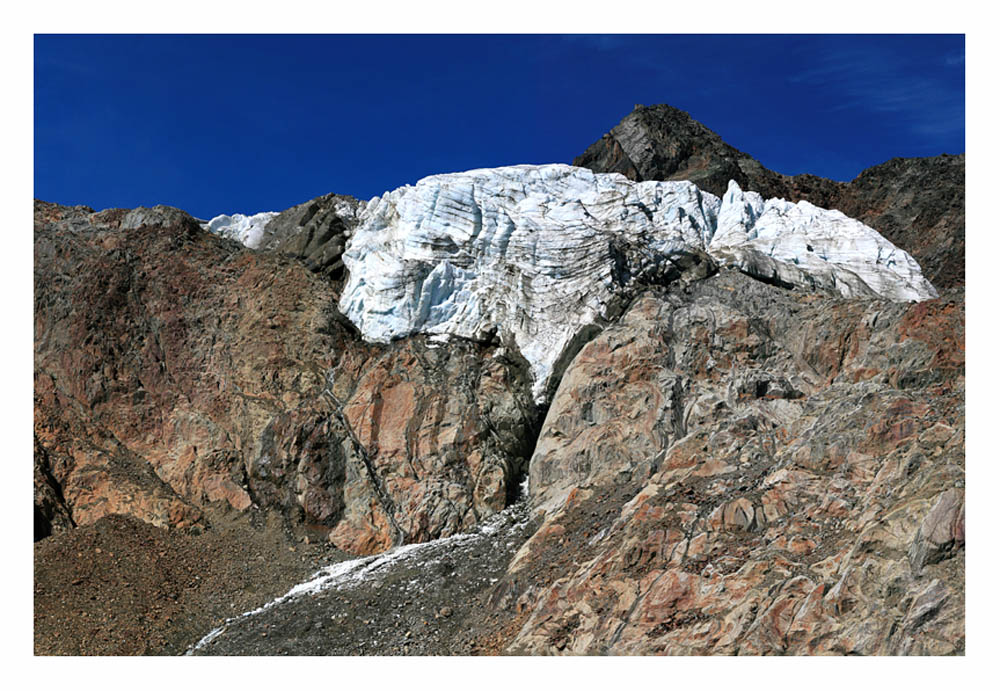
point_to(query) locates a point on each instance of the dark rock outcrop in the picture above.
(316, 232)
(917, 203)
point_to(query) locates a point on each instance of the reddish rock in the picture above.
(714, 478)
(177, 373)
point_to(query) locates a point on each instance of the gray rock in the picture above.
(316, 232)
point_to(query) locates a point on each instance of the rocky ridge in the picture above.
(167, 387)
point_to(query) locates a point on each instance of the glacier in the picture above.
(248, 230)
(533, 255)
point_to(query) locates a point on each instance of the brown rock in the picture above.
(687, 511)
(177, 373)
(942, 530)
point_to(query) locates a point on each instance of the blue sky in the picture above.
(222, 124)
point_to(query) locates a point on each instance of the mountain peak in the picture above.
(661, 142)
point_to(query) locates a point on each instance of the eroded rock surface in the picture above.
(747, 470)
(409, 444)
(731, 469)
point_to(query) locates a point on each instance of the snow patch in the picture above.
(344, 574)
(247, 230)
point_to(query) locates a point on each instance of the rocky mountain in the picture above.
(738, 469)
(916, 203)
(531, 410)
(731, 468)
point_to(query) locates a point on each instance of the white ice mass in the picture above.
(248, 230)
(804, 245)
(534, 254)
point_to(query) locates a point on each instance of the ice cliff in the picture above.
(534, 254)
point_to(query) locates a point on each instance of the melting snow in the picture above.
(347, 573)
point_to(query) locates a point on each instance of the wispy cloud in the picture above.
(923, 97)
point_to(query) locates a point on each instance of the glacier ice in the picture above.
(534, 254)
(804, 245)
(248, 230)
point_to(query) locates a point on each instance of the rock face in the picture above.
(917, 203)
(316, 232)
(179, 375)
(733, 468)
(537, 255)
(406, 444)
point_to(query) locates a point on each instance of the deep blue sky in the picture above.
(220, 124)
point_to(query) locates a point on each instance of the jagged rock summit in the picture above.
(536, 255)
(664, 143)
